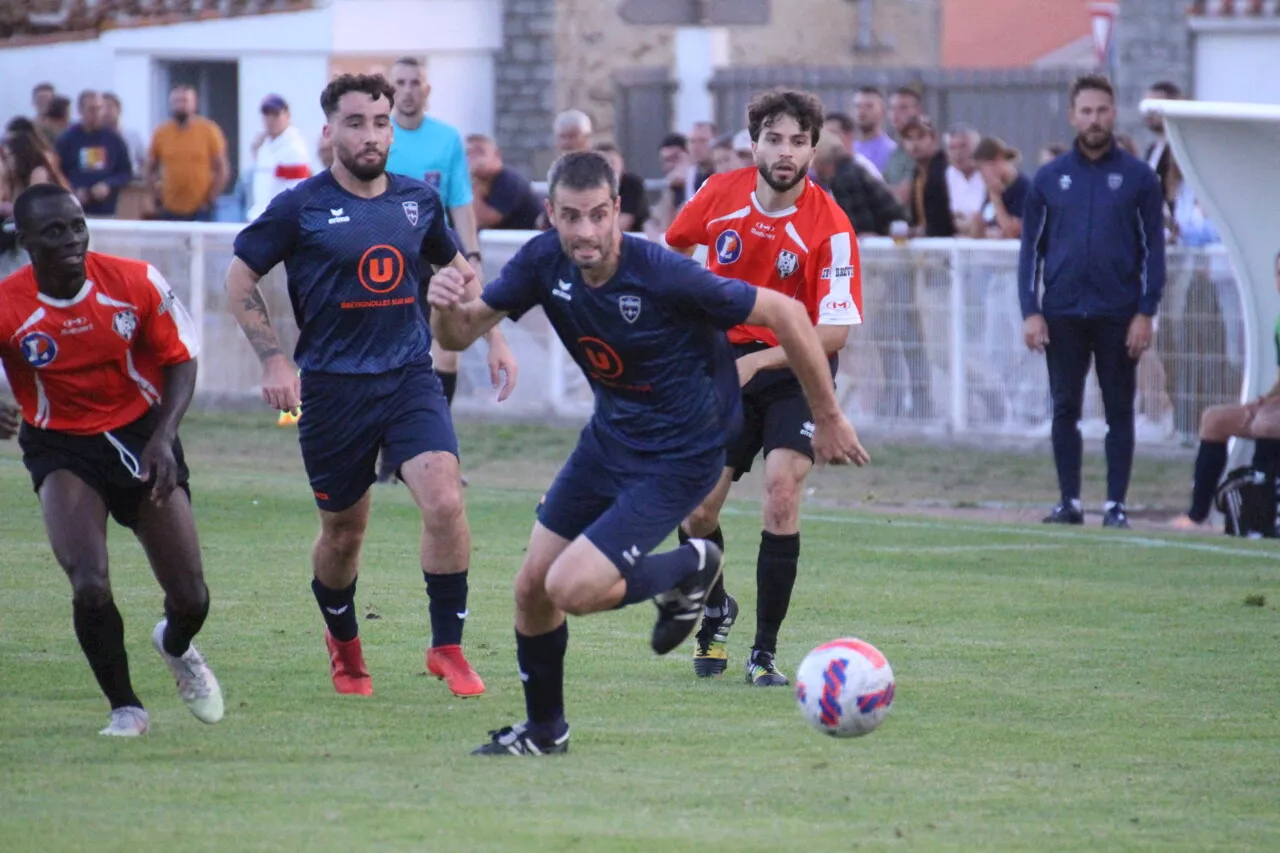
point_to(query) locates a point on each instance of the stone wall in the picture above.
(524, 80)
(1152, 42)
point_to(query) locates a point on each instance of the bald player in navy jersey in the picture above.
(646, 326)
(356, 243)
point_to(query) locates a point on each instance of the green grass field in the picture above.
(1057, 689)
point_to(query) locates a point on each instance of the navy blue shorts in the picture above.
(347, 419)
(626, 504)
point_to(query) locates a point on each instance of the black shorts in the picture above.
(107, 463)
(774, 414)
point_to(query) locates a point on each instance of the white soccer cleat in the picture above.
(197, 686)
(129, 721)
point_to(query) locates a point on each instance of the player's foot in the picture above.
(678, 608)
(346, 665)
(515, 740)
(710, 657)
(763, 672)
(129, 721)
(1067, 512)
(1115, 517)
(197, 686)
(449, 663)
(1186, 522)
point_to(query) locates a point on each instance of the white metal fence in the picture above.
(940, 350)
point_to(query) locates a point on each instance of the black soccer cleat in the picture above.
(515, 740)
(763, 672)
(1115, 517)
(710, 657)
(1067, 512)
(679, 608)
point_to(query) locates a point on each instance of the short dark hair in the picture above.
(1170, 90)
(870, 90)
(27, 199)
(843, 119)
(581, 170)
(675, 140)
(59, 108)
(43, 87)
(607, 146)
(1092, 82)
(910, 92)
(84, 96)
(411, 61)
(113, 98)
(767, 107)
(182, 87)
(373, 85)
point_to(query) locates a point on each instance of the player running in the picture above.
(773, 227)
(356, 241)
(644, 324)
(101, 357)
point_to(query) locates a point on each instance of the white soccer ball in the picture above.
(844, 688)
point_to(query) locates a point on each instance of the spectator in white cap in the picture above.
(281, 158)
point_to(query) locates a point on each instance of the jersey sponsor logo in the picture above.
(603, 359)
(834, 304)
(76, 326)
(336, 215)
(1115, 180)
(381, 268)
(763, 230)
(788, 263)
(836, 272)
(411, 211)
(728, 246)
(125, 324)
(38, 348)
(630, 307)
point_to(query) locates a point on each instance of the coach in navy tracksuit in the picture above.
(1093, 233)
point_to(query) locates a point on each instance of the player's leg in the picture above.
(75, 516)
(1118, 380)
(1067, 358)
(446, 365)
(335, 565)
(1218, 424)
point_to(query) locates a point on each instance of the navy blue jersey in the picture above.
(651, 340)
(355, 266)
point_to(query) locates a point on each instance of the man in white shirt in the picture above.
(965, 185)
(281, 158)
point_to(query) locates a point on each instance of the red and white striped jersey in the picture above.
(94, 362)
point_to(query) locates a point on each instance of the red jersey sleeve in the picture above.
(836, 280)
(690, 225)
(167, 329)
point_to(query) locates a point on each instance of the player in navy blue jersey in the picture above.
(356, 243)
(646, 326)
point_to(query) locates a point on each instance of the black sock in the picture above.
(100, 631)
(338, 607)
(716, 596)
(655, 573)
(541, 662)
(1266, 456)
(775, 578)
(1211, 461)
(447, 603)
(450, 383)
(182, 626)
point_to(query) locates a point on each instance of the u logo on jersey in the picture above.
(381, 268)
(728, 246)
(603, 360)
(38, 348)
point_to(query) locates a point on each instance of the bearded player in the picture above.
(773, 227)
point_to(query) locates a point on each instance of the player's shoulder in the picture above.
(17, 291)
(404, 186)
(651, 263)
(731, 187)
(543, 250)
(122, 275)
(442, 130)
(825, 217)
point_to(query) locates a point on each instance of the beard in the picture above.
(778, 184)
(365, 171)
(180, 116)
(1096, 139)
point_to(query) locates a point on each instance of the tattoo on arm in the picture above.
(256, 324)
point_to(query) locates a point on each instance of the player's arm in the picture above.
(10, 420)
(504, 370)
(458, 315)
(688, 230)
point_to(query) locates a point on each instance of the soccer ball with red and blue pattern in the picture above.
(845, 687)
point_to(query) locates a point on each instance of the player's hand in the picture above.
(1138, 340)
(1035, 332)
(503, 369)
(158, 466)
(835, 442)
(100, 191)
(446, 289)
(10, 420)
(281, 387)
(748, 367)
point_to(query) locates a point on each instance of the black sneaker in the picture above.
(1115, 517)
(679, 608)
(515, 740)
(710, 657)
(1067, 512)
(763, 672)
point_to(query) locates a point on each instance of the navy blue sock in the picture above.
(655, 573)
(1211, 461)
(541, 662)
(338, 607)
(450, 383)
(716, 595)
(447, 603)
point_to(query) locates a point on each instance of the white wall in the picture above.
(298, 78)
(69, 66)
(1240, 65)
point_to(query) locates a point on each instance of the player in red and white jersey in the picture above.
(772, 227)
(102, 359)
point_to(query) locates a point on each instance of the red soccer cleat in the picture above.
(346, 665)
(449, 663)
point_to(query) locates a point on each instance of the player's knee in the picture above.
(782, 504)
(443, 510)
(342, 537)
(567, 593)
(702, 521)
(189, 597)
(1214, 423)
(531, 590)
(90, 587)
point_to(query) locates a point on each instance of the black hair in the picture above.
(1091, 82)
(373, 85)
(23, 204)
(582, 170)
(768, 107)
(675, 140)
(59, 108)
(842, 119)
(870, 90)
(910, 92)
(1170, 90)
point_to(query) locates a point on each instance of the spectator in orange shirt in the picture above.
(187, 163)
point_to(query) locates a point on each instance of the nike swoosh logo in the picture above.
(337, 611)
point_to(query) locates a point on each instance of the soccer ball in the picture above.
(844, 687)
